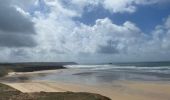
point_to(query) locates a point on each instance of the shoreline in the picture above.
(120, 90)
(34, 72)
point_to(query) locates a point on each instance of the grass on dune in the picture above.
(8, 93)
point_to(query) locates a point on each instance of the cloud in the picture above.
(114, 6)
(109, 48)
(16, 30)
(104, 37)
(15, 40)
(60, 38)
(161, 36)
(130, 6)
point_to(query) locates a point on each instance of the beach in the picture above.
(130, 91)
(117, 90)
(84, 49)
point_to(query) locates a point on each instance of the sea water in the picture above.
(108, 73)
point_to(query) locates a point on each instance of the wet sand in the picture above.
(120, 90)
(35, 72)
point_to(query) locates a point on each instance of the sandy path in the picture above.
(35, 87)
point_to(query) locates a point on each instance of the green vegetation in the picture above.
(3, 71)
(8, 93)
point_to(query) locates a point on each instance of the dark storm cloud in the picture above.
(16, 30)
(109, 48)
(12, 21)
(16, 40)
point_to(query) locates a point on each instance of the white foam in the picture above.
(116, 67)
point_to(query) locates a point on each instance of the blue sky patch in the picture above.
(146, 17)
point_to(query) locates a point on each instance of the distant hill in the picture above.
(38, 64)
(33, 66)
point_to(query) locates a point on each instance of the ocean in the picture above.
(109, 73)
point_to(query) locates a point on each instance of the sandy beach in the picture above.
(127, 90)
(120, 90)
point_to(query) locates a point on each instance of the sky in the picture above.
(84, 31)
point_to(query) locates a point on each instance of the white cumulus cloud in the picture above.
(60, 38)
